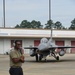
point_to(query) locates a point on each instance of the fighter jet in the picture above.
(47, 47)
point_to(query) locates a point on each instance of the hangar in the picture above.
(32, 37)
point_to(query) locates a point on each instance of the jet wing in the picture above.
(61, 47)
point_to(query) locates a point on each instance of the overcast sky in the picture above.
(19, 10)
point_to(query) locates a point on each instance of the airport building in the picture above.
(32, 37)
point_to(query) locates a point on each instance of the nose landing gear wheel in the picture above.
(36, 56)
(40, 57)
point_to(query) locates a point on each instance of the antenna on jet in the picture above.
(50, 17)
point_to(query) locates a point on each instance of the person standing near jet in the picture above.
(16, 59)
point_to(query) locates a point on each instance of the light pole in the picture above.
(4, 13)
(49, 9)
(50, 18)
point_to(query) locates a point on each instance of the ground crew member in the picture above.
(16, 59)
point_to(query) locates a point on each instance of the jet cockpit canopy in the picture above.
(44, 40)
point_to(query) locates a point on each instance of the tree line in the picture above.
(37, 25)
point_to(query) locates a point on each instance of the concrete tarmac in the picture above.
(65, 66)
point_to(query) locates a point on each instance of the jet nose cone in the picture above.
(42, 46)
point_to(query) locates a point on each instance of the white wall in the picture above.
(1, 46)
(68, 43)
(7, 44)
(27, 43)
(4, 45)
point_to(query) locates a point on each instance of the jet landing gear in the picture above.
(38, 57)
(56, 57)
